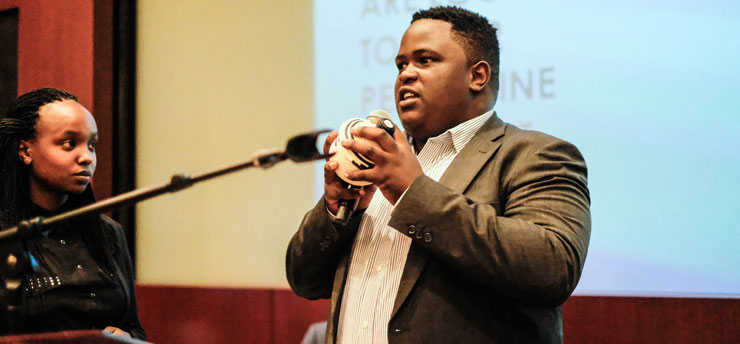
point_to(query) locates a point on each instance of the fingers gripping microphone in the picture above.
(349, 160)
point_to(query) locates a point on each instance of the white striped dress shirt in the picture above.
(379, 251)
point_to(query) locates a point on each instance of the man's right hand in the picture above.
(334, 188)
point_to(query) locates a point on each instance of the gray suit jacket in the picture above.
(498, 244)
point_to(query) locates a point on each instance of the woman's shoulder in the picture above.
(111, 223)
(111, 227)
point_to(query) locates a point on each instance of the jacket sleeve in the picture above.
(526, 232)
(315, 250)
(130, 323)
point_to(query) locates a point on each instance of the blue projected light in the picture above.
(649, 91)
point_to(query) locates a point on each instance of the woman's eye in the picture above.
(68, 144)
(91, 146)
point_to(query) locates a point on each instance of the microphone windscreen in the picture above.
(347, 159)
(379, 113)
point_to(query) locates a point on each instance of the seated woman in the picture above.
(85, 277)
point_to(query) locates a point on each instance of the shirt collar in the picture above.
(462, 133)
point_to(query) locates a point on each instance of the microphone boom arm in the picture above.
(300, 148)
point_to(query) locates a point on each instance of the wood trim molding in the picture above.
(173, 314)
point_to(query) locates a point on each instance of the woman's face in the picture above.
(62, 154)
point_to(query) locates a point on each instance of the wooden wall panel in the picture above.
(294, 315)
(279, 316)
(206, 315)
(604, 319)
(55, 46)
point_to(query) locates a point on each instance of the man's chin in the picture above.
(410, 118)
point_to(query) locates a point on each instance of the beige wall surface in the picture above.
(217, 81)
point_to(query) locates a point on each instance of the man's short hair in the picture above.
(477, 35)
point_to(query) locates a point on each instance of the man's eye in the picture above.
(92, 145)
(426, 60)
(68, 144)
(400, 66)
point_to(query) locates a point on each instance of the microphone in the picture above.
(349, 160)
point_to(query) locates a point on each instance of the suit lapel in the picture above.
(340, 278)
(476, 153)
(457, 177)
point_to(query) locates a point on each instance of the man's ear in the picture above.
(24, 152)
(480, 76)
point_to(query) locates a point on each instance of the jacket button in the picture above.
(324, 245)
(411, 229)
(419, 234)
(427, 237)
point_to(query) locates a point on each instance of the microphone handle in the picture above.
(346, 208)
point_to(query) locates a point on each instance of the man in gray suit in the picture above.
(480, 229)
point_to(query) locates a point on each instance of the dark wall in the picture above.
(8, 57)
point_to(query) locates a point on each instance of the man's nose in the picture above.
(407, 74)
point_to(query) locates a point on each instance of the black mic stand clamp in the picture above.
(15, 264)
